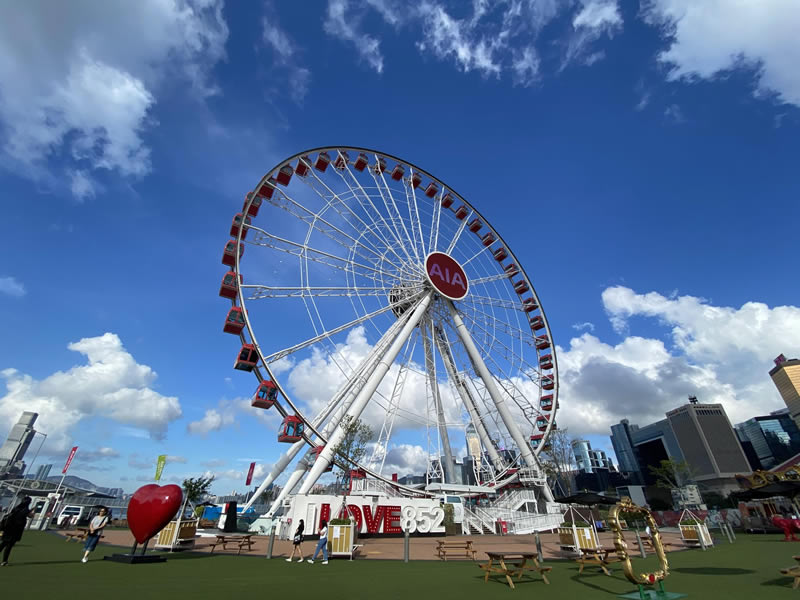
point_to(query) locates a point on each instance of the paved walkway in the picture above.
(421, 548)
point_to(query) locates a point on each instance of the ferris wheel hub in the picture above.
(446, 276)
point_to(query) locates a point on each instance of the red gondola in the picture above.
(237, 223)
(431, 190)
(228, 287)
(267, 189)
(380, 166)
(542, 342)
(447, 200)
(229, 256)
(475, 225)
(536, 439)
(500, 254)
(542, 422)
(511, 269)
(488, 239)
(461, 213)
(291, 430)
(529, 305)
(317, 451)
(415, 180)
(323, 160)
(546, 362)
(247, 358)
(521, 287)
(285, 175)
(546, 403)
(301, 169)
(342, 160)
(265, 395)
(254, 206)
(361, 162)
(397, 172)
(234, 322)
(537, 323)
(548, 383)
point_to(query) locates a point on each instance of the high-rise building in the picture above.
(786, 377)
(709, 445)
(473, 442)
(639, 448)
(583, 458)
(622, 441)
(16, 445)
(43, 471)
(774, 438)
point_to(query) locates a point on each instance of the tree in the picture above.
(196, 487)
(557, 459)
(672, 473)
(352, 448)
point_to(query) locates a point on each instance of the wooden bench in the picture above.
(793, 572)
(601, 557)
(241, 541)
(78, 535)
(443, 546)
(517, 566)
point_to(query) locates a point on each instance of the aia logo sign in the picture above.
(446, 276)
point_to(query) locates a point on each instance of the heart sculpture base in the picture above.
(135, 559)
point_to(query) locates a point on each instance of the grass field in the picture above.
(45, 566)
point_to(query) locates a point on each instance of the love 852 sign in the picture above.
(423, 520)
(446, 275)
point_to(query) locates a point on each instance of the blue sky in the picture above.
(639, 158)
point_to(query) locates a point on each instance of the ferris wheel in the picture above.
(363, 287)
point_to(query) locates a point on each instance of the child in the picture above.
(298, 539)
(95, 531)
(322, 544)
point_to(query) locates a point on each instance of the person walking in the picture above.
(322, 544)
(13, 524)
(96, 527)
(298, 539)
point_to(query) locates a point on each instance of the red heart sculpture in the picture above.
(151, 507)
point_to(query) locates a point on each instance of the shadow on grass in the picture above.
(582, 579)
(712, 571)
(785, 581)
(502, 580)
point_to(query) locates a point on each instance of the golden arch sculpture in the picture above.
(619, 510)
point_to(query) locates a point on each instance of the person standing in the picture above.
(298, 539)
(13, 525)
(322, 544)
(96, 527)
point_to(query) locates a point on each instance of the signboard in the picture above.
(446, 275)
(780, 360)
(250, 473)
(162, 460)
(69, 460)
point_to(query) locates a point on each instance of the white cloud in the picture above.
(286, 56)
(12, 287)
(213, 420)
(526, 66)
(82, 185)
(405, 459)
(81, 85)
(598, 14)
(111, 385)
(581, 326)
(340, 24)
(710, 37)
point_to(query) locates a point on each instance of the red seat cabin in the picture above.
(254, 206)
(536, 439)
(548, 383)
(361, 162)
(291, 429)
(229, 255)
(323, 160)
(461, 213)
(247, 358)
(380, 166)
(546, 362)
(546, 402)
(447, 200)
(542, 342)
(302, 166)
(285, 175)
(265, 395)
(234, 322)
(542, 421)
(475, 225)
(237, 223)
(342, 160)
(511, 269)
(228, 287)
(431, 190)
(500, 254)
(267, 188)
(529, 305)
(521, 287)
(537, 323)
(416, 179)
(488, 239)
(397, 172)
(317, 451)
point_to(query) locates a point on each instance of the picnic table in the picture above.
(79, 534)
(793, 572)
(602, 557)
(513, 564)
(241, 541)
(443, 546)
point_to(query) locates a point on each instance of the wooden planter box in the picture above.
(586, 538)
(186, 536)
(691, 534)
(341, 540)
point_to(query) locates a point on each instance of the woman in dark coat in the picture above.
(13, 525)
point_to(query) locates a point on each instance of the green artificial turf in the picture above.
(45, 566)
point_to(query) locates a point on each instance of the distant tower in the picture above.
(473, 443)
(16, 445)
(786, 377)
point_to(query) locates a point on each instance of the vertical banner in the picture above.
(162, 460)
(250, 473)
(69, 460)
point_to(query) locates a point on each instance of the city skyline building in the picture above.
(12, 452)
(786, 377)
(774, 438)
